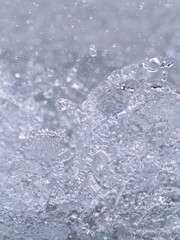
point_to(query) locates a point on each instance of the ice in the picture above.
(89, 123)
(112, 169)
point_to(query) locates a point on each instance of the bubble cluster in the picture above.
(89, 142)
(111, 171)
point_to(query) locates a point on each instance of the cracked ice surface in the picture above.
(110, 172)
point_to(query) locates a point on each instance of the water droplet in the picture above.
(164, 75)
(56, 83)
(74, 216)
(169, 3)
(35, 4)
(78, 60)
(17, 75)
(75, 86)
(92, 50)
(153, 65)
(50, 72)
(141, 5)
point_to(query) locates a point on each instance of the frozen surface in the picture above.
(89, 120)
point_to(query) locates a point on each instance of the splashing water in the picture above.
(89, 123)
(111, 170)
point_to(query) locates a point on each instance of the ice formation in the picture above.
(89, 131)
(109, 171)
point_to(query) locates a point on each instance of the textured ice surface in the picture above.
(89, 120)
(112, 169)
